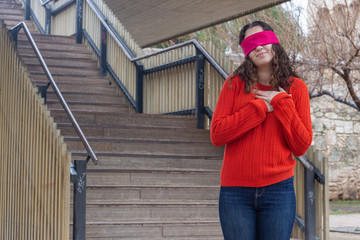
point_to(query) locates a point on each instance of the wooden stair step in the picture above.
(81, 155)
(207, 178)
(43, 80)
(144, 146)
(138, 132)
(110, 98)
(155, 230)
(85, 73)
(68, 78)
(50, 53)
(154, 193)
(11, 23)
(6, 11)
(69, 71)
(89, 89)
(68, 62)
(135, 212)
(67, 47)
(10, 5)
(179, 162)
(14, 17)
(102, 117)
(38, 37)
(89, 106)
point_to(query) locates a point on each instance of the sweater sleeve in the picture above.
(228, 125)
(293, 111)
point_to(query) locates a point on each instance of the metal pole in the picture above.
(200, 86)
(139, 87)
(27, 10)
(103, 45)
(79, 16)
(47, 20)
(79, 211)
(310, 218)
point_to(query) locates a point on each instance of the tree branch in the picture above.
(336, 98)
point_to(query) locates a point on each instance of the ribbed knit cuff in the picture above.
(261, 103)
(278, 97)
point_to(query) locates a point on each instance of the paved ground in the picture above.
(344, 226)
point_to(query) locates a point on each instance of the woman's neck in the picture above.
(264, 76)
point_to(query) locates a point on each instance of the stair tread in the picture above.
(152, 202)
(120, 139)
(163, 221)
(133, 126)
(100, 154)
(152, 186)
(153, 170)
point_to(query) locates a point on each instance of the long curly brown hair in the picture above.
(283, 70)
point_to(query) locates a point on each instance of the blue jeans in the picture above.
(264, 213)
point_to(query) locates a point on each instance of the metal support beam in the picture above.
(47, 19)
(310, 218)
(43, 91)
(200, 86)
(79, 16)
(103, 44)
(14, 34)
(79, 211)
(27, 10)
(139, 87)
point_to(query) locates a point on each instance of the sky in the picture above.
(303, 5)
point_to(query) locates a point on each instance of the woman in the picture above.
(263, 117)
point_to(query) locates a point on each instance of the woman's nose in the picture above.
(259, 48)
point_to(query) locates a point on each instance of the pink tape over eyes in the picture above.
(258, 39)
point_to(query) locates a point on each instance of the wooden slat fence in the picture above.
(34, 162)
(39, 11)
(64, 22)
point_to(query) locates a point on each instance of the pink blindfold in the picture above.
(258, 39)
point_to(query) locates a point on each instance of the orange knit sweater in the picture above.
(259, 144)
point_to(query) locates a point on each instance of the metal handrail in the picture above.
(46, 2)
(197, 45)
(57, 91)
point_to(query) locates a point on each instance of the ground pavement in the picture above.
(344, 226)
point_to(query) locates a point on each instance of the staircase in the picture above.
(157, 177)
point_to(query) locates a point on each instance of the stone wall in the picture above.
(336, 129)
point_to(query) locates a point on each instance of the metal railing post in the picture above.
(103, 45)
(14, 35)
(47, 19)
(27, 10)
(139, 87)
(310, 218)
(79, 208)
(79, 16)
(200, 87)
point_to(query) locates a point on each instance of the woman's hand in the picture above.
(267, 96)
